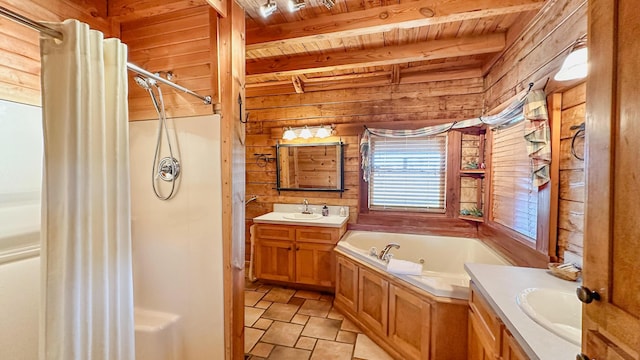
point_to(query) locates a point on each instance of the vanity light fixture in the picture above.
(328, 3)
(575, 66)
(307, 132)
(268, 8)
(295, 5)
(289, 134)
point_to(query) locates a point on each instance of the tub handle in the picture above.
(373, 251)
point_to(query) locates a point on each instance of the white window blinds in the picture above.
(514, 198)
(408, 173)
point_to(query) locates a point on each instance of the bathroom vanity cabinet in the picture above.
(488, 337)
(407, 322)
(296, 254)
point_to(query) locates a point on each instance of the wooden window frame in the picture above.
(388, 218)
(517, 246)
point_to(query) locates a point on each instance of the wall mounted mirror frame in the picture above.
(310, 167)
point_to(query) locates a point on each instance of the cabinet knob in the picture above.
(297, 248)
(586, 295)
(289, 248)
(582, 356)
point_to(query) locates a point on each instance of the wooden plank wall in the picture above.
(538, 52)
(391, 106)
(19, 45)
(571, 201)
(182, 42)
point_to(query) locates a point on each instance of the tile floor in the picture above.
(283, 324)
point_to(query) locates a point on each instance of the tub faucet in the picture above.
(384, 254)
(305, 202)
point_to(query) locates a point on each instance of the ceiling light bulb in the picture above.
(268, 9)
(323, 133)
(305, 133)
(329, 3)
(289, 134)
(295, 5)
(574, 66)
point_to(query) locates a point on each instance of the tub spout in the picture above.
(384, 254)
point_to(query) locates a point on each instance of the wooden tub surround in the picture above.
(407, 322)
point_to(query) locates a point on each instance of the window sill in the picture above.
(512, 246)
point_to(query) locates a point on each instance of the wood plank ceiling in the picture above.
(360, 43)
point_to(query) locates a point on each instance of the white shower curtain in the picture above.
(87, 301)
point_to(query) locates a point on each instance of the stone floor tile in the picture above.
(347, 325)
(367, 349)
(326, 297)
(263, 304)
(315, 308)
(279, 295)
(307, 294)
(296, 301)
(306, 343)
(262, 324)
(346, 337)
(321, 328)
(251, 315)
(281, 333)
(281, 312)
(300, 319)
(285, 353)
(262, 349)
(335, 314)
(264, 288)
(331, 350)
(252, 297)
(251, 337)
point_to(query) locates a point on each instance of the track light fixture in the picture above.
(329, 3)
(295, 5)
(268, 8)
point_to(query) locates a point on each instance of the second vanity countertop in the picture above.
(281, 210)
(500, 285)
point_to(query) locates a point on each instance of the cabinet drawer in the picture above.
(275, 232)
(488, 321)
(318, 235)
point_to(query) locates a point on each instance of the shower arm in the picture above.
(58, 35)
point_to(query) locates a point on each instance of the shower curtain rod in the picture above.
(58, 35)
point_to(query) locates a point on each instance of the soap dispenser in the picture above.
(325, 210)
(343, 212)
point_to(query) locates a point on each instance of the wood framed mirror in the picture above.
(310, 167)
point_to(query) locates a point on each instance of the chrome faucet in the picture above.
(305, 202)
(384, 254)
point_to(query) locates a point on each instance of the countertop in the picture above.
(335, 221)
(500, 286)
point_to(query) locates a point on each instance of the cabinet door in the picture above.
(347, 283)
(612, 229)
(274, 260)
(409, 323)
(480, 342)
(315, 264)
(373, 292)
(510, 348)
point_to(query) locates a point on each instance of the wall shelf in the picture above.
(472, 172)
(471, 218)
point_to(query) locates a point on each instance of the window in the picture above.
(514, 198)
(408, 173)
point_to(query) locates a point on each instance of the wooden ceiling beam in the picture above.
(381, 19)
(427, 50)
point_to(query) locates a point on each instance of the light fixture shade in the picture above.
(289, 134)
(268, 9)
(322, 133)
(574, 66)
(305, 133)
(295, 5)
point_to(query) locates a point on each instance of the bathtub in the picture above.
(443, 258)
(19, 231)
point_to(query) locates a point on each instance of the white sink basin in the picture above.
(301, 216)
(557, 311)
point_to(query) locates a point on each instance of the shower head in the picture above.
(142, 82)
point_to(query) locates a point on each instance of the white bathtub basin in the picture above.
(557, 311)
(301, 216)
